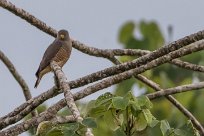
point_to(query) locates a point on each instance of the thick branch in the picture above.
(138, 52)
(62, 80)
(66, 89)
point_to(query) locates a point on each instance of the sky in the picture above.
(95, 23)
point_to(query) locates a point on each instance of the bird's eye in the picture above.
(61, 36)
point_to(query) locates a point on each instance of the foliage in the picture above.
(118, 116)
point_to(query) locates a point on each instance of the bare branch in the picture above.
(174, 90)
(27, 17)
(65, 87)
(18, 77)
(63, 119)
(62, 80)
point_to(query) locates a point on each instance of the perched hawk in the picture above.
(59, 51)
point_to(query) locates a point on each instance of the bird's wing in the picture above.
(49, 54)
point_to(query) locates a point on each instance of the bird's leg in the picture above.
(56, 81)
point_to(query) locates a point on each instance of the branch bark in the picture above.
(66, 89)
(18, 78)
(62, 80)
(175, 90)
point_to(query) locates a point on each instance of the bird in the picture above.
(59, 51)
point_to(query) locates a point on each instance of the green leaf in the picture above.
(164, 126)
(180, 132)
(152, 34)
(135, 108)
(55, 132)
(89, 122)
(43, 127)
(153, 123)
(98, 111)
(189, 129)
(119, 132)
(126, 32)
(143, 101)
(124, 87)
(104, 99)
(120, 102)
(148, 116)
(110, 120)
(140, 122)
(71, 126)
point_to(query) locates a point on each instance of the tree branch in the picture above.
(66, 89)
(16, 75)
(18, 78)
(174, 90)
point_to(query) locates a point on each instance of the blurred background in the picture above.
(101, 24)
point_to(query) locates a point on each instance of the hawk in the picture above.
(59, 51)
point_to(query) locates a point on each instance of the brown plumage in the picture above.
(59, 51)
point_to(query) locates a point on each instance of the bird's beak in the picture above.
(61, 36)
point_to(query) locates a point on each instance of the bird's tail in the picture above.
(38, 79)
(37, 82)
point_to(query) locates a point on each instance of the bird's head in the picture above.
(63, 35)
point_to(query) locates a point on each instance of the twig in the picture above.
(18, 77)
(63, 119)
(138, 52)
(174, 90)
